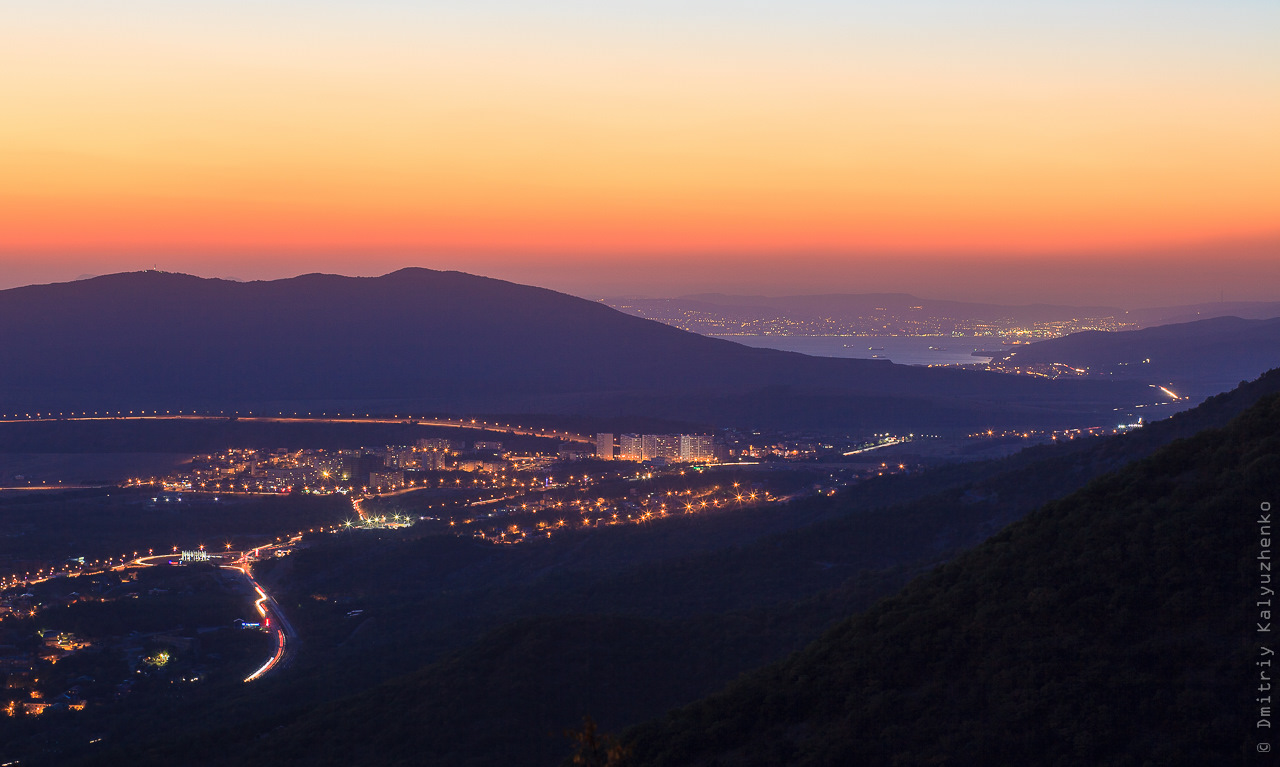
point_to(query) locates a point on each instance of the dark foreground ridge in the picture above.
(1113, 627)
(453, 342)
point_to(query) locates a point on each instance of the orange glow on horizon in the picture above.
(595, 135)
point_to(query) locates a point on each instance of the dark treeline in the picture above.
(1112, 627)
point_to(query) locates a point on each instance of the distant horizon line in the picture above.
(601, 297)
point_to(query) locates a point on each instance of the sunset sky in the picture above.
(989, 150)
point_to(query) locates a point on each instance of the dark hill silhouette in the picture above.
(1202, 356)
(1112, 627)
(433, 340)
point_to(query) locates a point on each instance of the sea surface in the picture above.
(904, 350)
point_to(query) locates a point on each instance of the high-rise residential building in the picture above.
(697, 447)
(604, 446)
(386, 479)
(660, 446)
(394, 457)
(630, 447)
(433, 459)
(438, 443)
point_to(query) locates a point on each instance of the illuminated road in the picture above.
(265, 604)
(143, 415)
(357, 501)
(267, 607)
(886, 443)
(51, 487)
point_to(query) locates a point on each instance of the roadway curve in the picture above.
(265, 604)
(267, 607)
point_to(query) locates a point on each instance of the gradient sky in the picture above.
(995, 150)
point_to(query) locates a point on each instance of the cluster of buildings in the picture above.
(877, 321)
(36, 676)
(1043, 370)
(384, 468)
(24, 664)
(1057, 434)
(788, 449)
(670, 448)
(394, 467)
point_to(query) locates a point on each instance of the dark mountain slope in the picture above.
(445, 340)
(1198, 357)
(1112, 627)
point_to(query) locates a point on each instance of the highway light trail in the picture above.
(274, 658)
(260, 604)
(262, 597)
